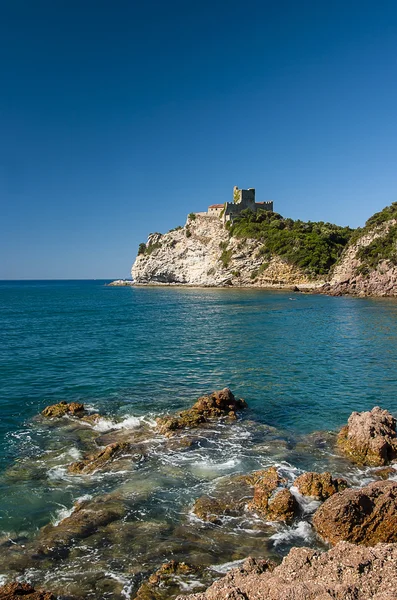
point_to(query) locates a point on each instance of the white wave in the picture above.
(3, 579)
(103, 424)
(301, 530)
(64, 513)
(127, 584)
(56, 473)
(307, 504)
(225, 567)
(187, 586)
(74, 453)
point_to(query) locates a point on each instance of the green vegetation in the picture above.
(236, 273)
(192, 216)
(211, 271)
(188, 232)
(225, 257)
(381, 248)
(223, 245)
(313, 247)
(176, 228)
(152, 247)
(141, 248)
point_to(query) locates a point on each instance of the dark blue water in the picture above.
(302, 362)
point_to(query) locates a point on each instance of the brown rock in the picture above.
(369, 437)
(384, 473)
(221, 403)
(346, 572)
(366, 516)
(16, 590)
(280, 506)
(101, 459)
(63, 408)
(319, 485)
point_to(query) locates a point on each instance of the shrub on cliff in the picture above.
(314, 247)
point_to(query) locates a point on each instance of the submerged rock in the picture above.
(366, 516)
(160, 584)
(229, 499)
(63, 408)
(319, 485)
(221, 403)
(88, 516)
(346, 572)
(16, 590)
(101, 459)
(369, 437)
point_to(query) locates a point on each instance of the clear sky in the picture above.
(118, 117)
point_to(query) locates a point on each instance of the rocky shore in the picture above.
(359, 523)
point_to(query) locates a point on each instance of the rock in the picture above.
(88, 516)
(365, 516)
(319, 485)
(365, 270)
(384, 473)
(101, 459)
(63, 408)
(279, 506)
(282, 507)
(191, 255)
(16, 590)
(221, 403)
(369, 437)
(346, 572)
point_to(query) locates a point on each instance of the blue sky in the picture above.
(117, 118)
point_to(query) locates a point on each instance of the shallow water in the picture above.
(302, 363)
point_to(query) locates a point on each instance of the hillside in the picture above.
(368, 265)
(260, 249)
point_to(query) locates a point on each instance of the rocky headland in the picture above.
(265, 250)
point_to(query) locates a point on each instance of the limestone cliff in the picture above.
(202, 253)
(368, 265)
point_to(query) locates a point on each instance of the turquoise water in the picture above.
(302, 362)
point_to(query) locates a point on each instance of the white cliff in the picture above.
(203, 254)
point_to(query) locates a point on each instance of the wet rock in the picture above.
(221, 403)
(369, 438)
(16, 590)
(88, 516)
(319, 485)
(384, 473)
(101, 459)
(346, 572)
(275, 506)
(366, 516)
(160, 585)
(282, 507)
(63, 408)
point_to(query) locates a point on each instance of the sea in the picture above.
(302, 362)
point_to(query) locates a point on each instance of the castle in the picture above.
(242, 199)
